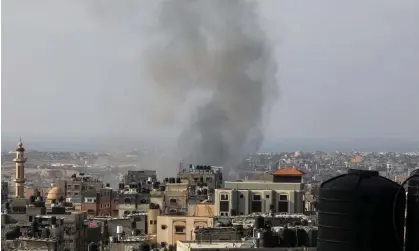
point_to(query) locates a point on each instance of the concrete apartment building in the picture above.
(281, 192)
(131, 202)
(173, 228)
(98, 203)
(175, 197)
(172, 197)
(169, 228)
(246, 245)
(142, 176)
(4, 191)
(71, 225)
(73, 188)
(207, 177)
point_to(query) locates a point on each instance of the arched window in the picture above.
(127, 200)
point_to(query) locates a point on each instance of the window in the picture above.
(163, 227)
(76, 186)
(68, 186)
(283, 203)
(257, 203)
(76, 194)
(224, 197)
(154, 222)
(257, 197)
(151, 222)
(224, 206)
(267, 196)
(127, 201)
(30, 218)
(172, 201)
(179, 229)
(90, 200)
(241, 196)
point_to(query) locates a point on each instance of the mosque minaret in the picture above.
(20, 171)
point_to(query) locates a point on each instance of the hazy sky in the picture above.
(346, 68)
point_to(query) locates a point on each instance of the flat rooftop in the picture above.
(214, 244)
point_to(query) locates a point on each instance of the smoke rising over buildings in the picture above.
(215, 47)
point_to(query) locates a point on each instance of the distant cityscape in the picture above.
(103, 144)
(115, 201)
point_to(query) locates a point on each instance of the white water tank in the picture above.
(119, 229)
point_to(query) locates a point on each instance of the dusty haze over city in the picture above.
(73, 72)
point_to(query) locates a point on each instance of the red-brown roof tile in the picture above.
(288, 171)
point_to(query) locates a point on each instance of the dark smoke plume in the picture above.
(218, 47)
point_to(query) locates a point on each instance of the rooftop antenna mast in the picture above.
(181, 166)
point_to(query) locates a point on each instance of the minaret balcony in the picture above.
(20, 180)
(17, 160)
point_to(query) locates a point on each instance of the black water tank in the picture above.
(53, 220)
(275, 240)
(289, 237)
(312, 236)
(93, 247)
(45, 233)
(356, 213)
(144, 247)
(302, 238)
(259, 222)
(412, 218)
(267, 240)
